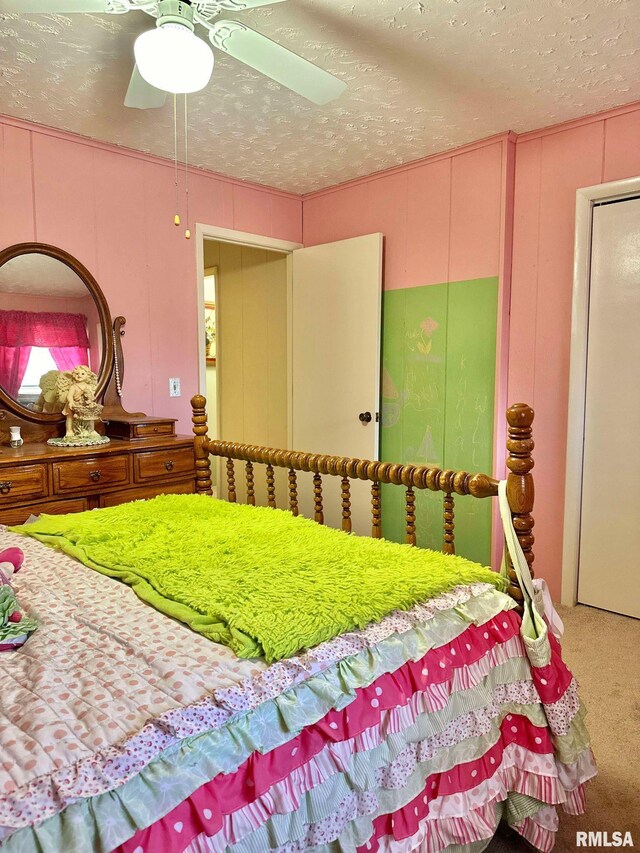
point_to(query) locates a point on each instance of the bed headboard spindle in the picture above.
(376, 511)
(201, 446)
(448, 523)
(293, 492)
(520, 491)
(251, 494)
(345, 490)
(231, 481)
(271, 487)
(410, 516)
(317, 498)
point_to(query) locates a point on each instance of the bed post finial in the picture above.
(201, 445)
(520, 490)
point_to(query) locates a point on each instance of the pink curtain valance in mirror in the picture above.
(43, 329)
(65, 335)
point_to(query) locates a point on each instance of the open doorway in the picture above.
(211, 341)
(297, 354)
(245, 351)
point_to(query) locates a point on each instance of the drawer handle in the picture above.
(5, 487)
(95, 475)
(169, 465)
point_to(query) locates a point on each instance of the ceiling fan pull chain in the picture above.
(187, 233)
(176, 218)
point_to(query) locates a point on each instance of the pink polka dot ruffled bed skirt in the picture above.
(427, 757)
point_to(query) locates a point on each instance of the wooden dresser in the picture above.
(144, 457)
(38, 478)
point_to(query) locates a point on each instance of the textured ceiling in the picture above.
(422, 76)
(40, 275)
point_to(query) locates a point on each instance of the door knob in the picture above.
(365, 417)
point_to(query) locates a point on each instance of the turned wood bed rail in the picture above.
(520, 489)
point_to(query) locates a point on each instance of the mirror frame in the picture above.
(106, 365)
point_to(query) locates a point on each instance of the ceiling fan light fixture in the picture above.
(173, 58)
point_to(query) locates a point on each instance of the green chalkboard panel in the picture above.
(470, 385)
(393, 405)
(413, 401)
(438, 365)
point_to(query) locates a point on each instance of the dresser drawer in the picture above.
(166, 463)
(92, 472)
(152, 430)
(23, 481)
(143, 493)
(18, 515)
(140, 427)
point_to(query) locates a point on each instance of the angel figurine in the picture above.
(76, 390)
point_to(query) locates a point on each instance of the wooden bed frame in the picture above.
(520, 489)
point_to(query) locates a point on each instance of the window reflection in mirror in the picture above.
(49, 323)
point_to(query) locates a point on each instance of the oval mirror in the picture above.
(53, 317)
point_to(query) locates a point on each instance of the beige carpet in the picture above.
(603, 651)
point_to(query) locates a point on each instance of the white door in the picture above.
(609, 566)
(335, 339)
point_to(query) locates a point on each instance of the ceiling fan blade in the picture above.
(141, 95)
(239, 5)
(53, 7)
(275, 61)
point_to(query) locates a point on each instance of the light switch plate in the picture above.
(174, 387)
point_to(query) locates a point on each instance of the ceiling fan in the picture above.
(172, 58)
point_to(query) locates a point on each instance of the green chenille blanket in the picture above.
(253, 578)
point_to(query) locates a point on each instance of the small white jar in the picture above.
(15, 439)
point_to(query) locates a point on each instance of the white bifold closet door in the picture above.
(335, 339)
(609, 567)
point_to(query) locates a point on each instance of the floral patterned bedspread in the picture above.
(106, 683)
(100, 665)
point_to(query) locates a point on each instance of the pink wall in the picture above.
(113, 209)
(441, 217)
(460, 216)
(550, 166)
(446, 218)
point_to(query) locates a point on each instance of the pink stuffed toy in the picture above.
(11, 560)
(14, 626)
